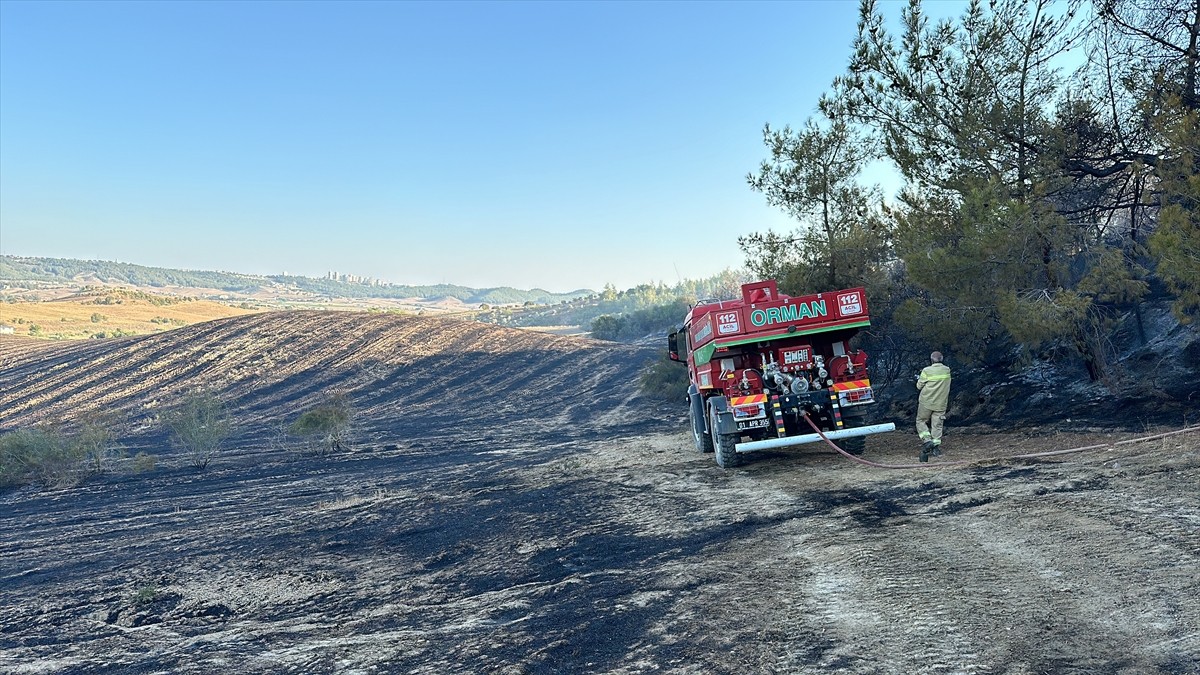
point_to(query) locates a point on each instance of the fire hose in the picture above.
(955, 462)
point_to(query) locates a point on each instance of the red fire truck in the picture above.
(761, 364)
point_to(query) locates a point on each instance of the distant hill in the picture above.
(395, 369)
(17, 270)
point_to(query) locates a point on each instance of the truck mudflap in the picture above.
(788, 441)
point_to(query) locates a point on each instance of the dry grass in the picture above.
(351, 501)
(109, 312)
(557, 330)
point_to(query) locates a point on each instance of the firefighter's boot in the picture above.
(926, 448)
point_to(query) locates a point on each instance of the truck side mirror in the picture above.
(673, 347)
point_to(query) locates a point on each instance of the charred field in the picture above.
(509, 503)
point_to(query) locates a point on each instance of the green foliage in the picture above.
(640, 322)
(145, 595)
(327, 425)
(812, 175)
(1177, 246)
(995, 261)
(1113, 278)
(664, 379)
(1028, 196)
(940, 325)
(583, 310)
(54, 458)
(23, 450)
(97, 317)
(17, 268)
(198, 426)
(115, 333)
(607, 327)
(96, 440)
(1035, 317)
(1176, 242)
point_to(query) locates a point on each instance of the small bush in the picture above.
(199, 426)
(53, 458)
(145, 595)
(16, 449)
(607, 327)
(664, 379)
(144, 462)
(95, 441)
(42, 456)
(327, 425)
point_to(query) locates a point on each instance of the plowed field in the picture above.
(509, 504)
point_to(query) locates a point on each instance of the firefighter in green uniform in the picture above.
(934, 385)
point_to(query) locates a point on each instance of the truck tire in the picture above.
(858, 444)
(724, 445)
(854, 446)
(700, 435)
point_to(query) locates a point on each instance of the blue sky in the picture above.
(548, 144)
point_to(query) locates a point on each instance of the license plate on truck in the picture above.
(753, 424)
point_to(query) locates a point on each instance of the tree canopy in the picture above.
(1048, 152)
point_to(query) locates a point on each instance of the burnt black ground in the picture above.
(513, 506)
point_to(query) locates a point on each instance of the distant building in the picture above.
(6, 329)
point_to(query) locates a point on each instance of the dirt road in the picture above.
(588, 536)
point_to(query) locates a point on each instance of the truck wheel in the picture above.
(723, 445)
(854, 446)
(703, 441)
(858, 444)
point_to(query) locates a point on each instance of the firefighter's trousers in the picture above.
(930, 423)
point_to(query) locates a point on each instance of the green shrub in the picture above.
(42, 456)
(199, 425)
(95, 441)
(145, 595)
(16, 448)
(325, 426)
(607, 327)
(664, 379)
(53, 458)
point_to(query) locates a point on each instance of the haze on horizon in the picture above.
(525, 144)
